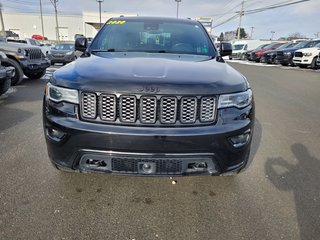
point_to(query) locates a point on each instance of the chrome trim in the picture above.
(122, 110)
(114, 107)
(145, 154)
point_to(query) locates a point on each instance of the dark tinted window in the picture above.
(147, 35)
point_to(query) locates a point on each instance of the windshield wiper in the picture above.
(107, 50)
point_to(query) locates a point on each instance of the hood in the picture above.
(149, 73)
(18, 45)
(313, 49)
(270, 52)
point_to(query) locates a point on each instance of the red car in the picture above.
(256, 55)
(39, 37)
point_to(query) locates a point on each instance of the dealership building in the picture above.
(28, 24)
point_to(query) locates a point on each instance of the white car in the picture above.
(307, 57)
(33, 42)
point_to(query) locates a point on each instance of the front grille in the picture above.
(188, 110)
(148, 106)
(168, 110)
(33, 53)
(108, 107)
(280, 53)
(89, 105)
(128, 110)
(131, 165)
(148, 110)
(298, 54)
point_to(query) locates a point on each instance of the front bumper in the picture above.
(267, 59)
(284, 60)
(34, 66)
(302, 60)
(93, 147)
(61, 59)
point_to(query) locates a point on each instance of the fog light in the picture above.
(55, 134)
(240, 140)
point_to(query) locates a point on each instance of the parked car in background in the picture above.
(269, 56)
(257, 54)
(11, 35)
(6, 74)
(318, 60)
(39, 37)
(27, 60)
(307, 57)
(285, 56)
(241, 47)
(248, 53)
(33, 42)
(62, 53)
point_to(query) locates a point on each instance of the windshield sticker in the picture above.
(116, 22)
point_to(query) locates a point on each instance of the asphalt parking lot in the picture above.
(278, 197)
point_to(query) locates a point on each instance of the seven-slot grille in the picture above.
(298, 54)
(33, 53)
(148, 110)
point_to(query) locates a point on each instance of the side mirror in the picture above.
(81, 44)
(225, 49)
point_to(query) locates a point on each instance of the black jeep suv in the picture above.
(149, 96)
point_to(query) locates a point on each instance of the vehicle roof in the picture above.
(178, 20)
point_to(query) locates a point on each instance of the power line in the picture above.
(265, 8)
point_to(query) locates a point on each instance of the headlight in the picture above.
(307, 54)
(69, 53)
(59, 94)
(238, 100)
(287, 53)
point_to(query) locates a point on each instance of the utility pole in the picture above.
(251, 32)
(100, 1)
(41, 19)
(240, 20)
(3, 31)
(178, 1)
(54, 3)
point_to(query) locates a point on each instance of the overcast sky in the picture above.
(303, 17)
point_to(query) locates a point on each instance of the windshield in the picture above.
(238, 47)
(301, 44)
(261, 46)
(312, 44)
(64, 46)
(160, 36)
(284, 46)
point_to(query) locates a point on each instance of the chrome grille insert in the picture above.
(207, 110)
(89, 105)
(157, 110)
(148, 109)
(108, 105)
(168, 110)
(128, 110)
(188, 110)
(33, 53)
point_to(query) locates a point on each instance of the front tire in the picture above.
(4, 87)
(18, 77)
(36, 75)
(314, 64)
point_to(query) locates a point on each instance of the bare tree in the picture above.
(296, 35)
